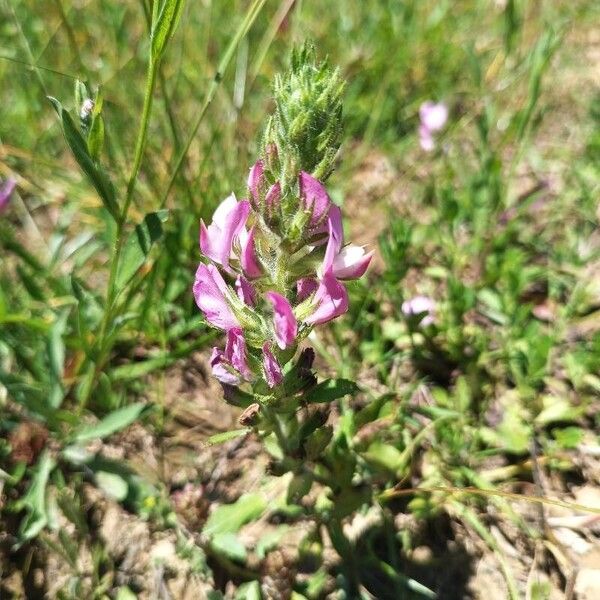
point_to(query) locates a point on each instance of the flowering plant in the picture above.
(275, 262)
(274, 266)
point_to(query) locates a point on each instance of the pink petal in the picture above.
(210, 292)
(426, 139)
(314, 196)
(433, 116)
(218, 363)
(235, 351)
(216, 240)
(245, 291)
(330, 300)
(284, 321)
(351, 262)
(336, 237)
(223, 211)
(271, 367)
(420, 305)
(6, 190)
(305, 287)
(248, 254)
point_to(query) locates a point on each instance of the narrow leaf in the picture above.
(95, 140)
(165, 26)
(112, 484)
(225, 436)
(248, 591)
(330, 390)
(79, 148)
(34, 499)
(228, 518)
(229, 545)
(115, 421)
(138, 246)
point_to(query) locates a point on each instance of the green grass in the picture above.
(499, 226)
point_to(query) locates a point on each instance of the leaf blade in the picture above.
(113, 422)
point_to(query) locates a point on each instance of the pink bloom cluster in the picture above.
(432, 118)
(263, 291)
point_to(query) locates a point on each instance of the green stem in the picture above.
(249, 19)
(111, 292)
(344, 548)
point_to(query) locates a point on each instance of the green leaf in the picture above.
(318, 441)
(568, 437)
(270, 540)
(556, 409)
(330, 390)
(248, 591)
(298, 488)
(112, 485)
(165, 26)
(225, 436)
(230, 546)
(115, 421)
(95, 140)
(135, 370)
(385, 456)
(79, 148)
(228, 518)
(77, 455)
(56, 356)
(138, 246)
(125, 593)
(34, 500)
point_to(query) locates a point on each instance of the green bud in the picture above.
(317, 442)
(306, 127)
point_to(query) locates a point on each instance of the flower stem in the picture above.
(111, 291)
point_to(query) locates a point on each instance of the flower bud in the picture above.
(87, 106)
(255, 182)
(284, 322)
(271, 368)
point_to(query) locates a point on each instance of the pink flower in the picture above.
(313, 197)
(6, 190)
(420, 306)
(257, 184)
(210, 291)
(231, 366)
(433, 117)
(351, 262)
(216, 240)
(284, 321)
(330, 300)
(271, 367)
